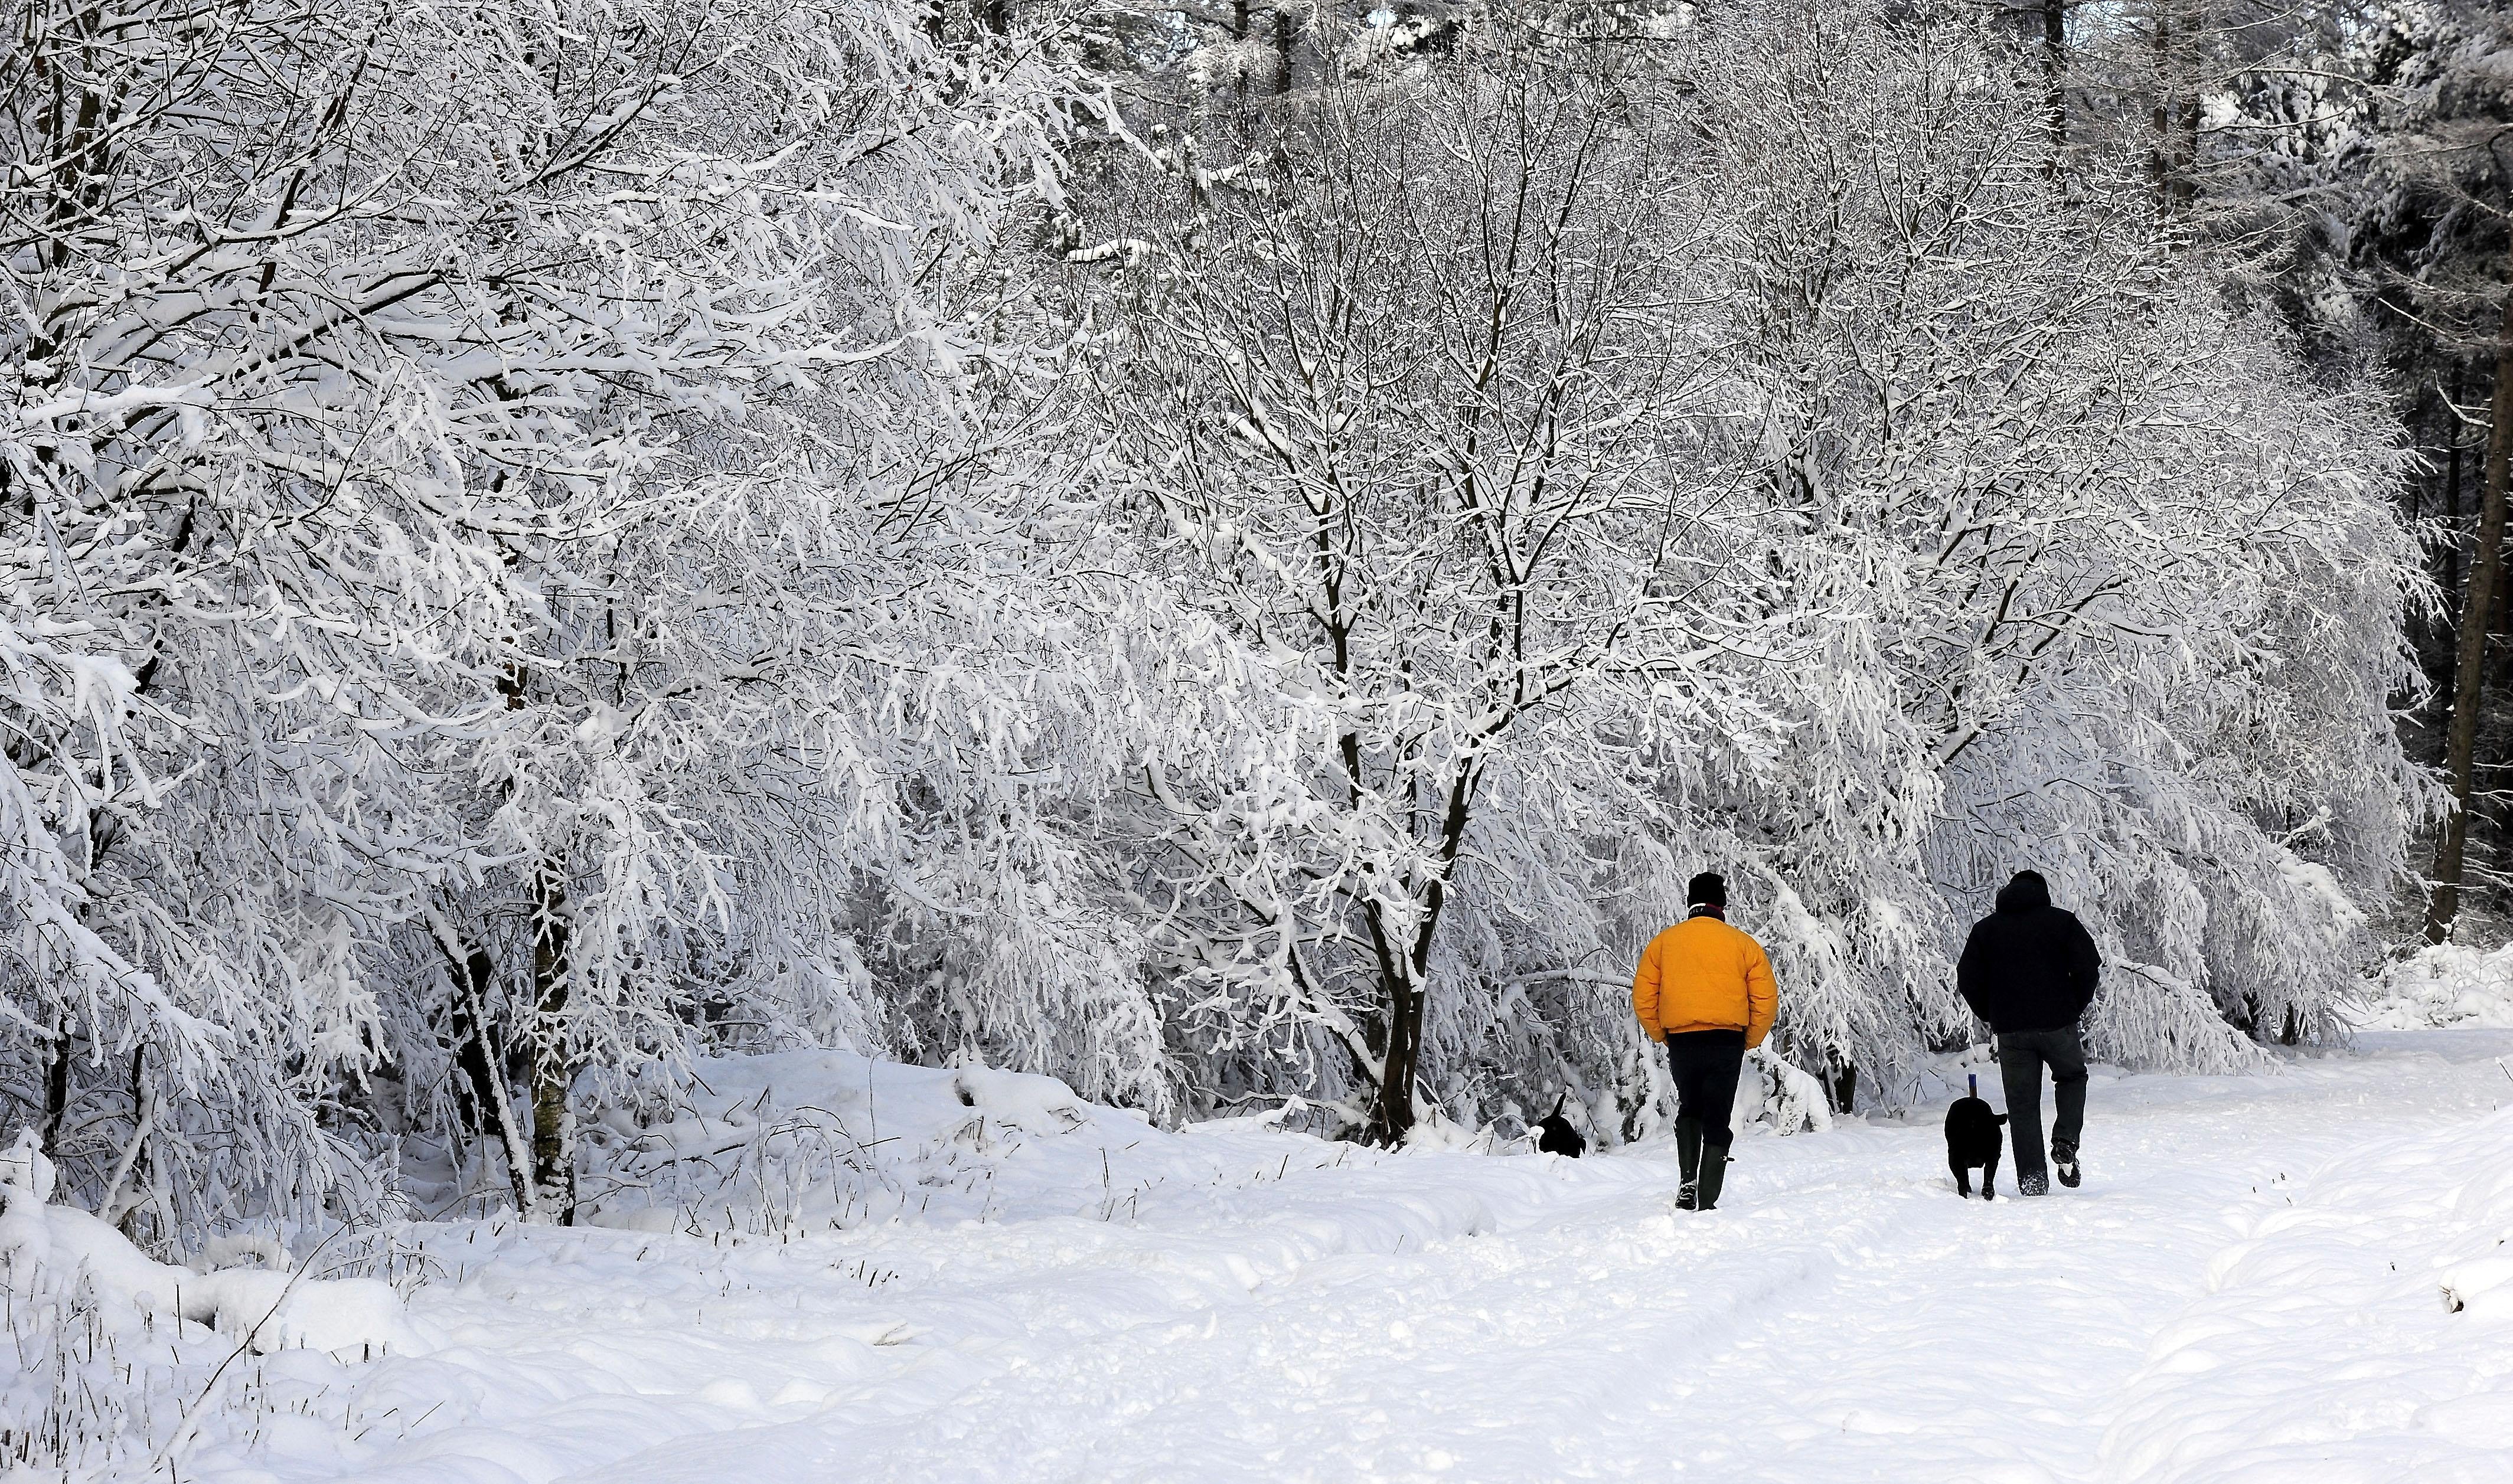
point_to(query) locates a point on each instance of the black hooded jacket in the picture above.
(2029, 965)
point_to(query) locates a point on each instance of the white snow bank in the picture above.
(2445, 986)
(811, 1143)
(60, 1251)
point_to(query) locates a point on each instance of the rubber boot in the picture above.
(1688, 1158)
(1714, 1174)
(2064, 1164)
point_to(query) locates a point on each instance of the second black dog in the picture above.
(1554, 1134)
(1972, 1142)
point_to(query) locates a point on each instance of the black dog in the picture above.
(1554, 1134)
(1973, 1141)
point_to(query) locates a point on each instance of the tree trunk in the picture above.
(2175, 114)
(1396, 1077)
(2451, 597)
(481, 1094)
(132, 1173)
(553, 1060)
(2469, 667)
(1239, 30)
(2054, 75)
(1406, 999)
(57, 1090)
(1284, 41)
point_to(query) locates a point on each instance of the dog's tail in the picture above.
(1560, 1104)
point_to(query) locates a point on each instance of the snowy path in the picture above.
(2246, 1288)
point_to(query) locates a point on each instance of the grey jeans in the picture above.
(2022, 1056)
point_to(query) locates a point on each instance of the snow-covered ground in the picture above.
(2255, 1283)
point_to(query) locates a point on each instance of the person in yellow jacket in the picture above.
(1704, 988)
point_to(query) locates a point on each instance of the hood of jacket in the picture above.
(2025, 892)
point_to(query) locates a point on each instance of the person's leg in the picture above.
(2019, 1068)
(2066, 1054)
(1685, 1071)
(1706, 1065)
(1719, 1090)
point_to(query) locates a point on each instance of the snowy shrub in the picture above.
(2445, 985)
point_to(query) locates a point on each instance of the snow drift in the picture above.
(62, 1252)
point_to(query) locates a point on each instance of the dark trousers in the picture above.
(1706, 1065)
(2022, 1056)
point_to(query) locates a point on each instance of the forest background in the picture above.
(1236, 556)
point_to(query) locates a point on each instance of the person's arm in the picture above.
(1762, 994)
(2084, 966)
(1645, 992)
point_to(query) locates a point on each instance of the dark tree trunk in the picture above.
(2451, 597)
(57, 1089)
(127, 1219)
(2159, 153)
(2469, 667)
(1406, 980)
(1240, 29)
(2173, 160)
(1284, 41)
(1396, 1077)
(479, 1095)
(2054, 75)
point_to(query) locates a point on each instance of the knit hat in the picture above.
(1708, 889)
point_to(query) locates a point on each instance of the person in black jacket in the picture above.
(2030, 970)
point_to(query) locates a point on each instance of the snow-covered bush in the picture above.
(117, 1356)
(2445, 985)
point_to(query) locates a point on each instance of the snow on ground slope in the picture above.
(2257, 1282)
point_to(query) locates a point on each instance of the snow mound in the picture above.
(2442, 988)
(1775, 1093)
(52, 1251)
(803, 1141)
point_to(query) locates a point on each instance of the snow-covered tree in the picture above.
(479, 484)
(1418, 412)
(1954, 526)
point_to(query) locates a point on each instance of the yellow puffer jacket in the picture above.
(1703, 975)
